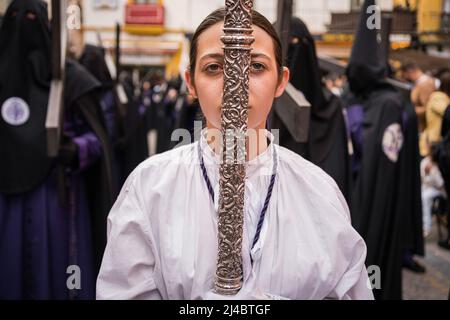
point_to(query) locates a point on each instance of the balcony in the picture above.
(146, 19)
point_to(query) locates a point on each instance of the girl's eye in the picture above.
(213, 68)
(257, 67)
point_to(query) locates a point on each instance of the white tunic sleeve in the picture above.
(354, 283)
(127, 270)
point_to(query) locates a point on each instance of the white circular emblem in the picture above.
(392, 141)
(15, 111)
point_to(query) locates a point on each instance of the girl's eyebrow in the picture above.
(219, 56)
(260, 55)
(216, 56)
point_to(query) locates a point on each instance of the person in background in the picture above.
(52, 210)
(432, 187)
(386, 199)
(435, 109)
(335, 83)
(432, 180)
(441, 155)
(424, 86)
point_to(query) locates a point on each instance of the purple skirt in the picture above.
(44, 244)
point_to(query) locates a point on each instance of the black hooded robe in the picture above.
(43, 238)
(82, 94)
(327, 144)
(93, 59)
(385, 201)
(375, 197)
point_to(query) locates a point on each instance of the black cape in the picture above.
(410, 184)
(377, 201)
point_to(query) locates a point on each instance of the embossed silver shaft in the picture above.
(237, 41)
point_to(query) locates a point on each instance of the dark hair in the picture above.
(219, 16)
(409, 65)
(445, 83)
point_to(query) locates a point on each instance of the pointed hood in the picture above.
(366, 67)
(93, 59)
(25, 48)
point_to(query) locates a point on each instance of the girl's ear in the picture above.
(282, 82)
(190, 83)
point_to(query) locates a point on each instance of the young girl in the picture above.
(162, 230)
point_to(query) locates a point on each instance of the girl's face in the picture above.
(207, 85)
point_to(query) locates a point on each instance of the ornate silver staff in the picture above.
(237, 41)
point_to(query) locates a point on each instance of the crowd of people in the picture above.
(431, 97)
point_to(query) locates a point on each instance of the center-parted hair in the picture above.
(219, 16)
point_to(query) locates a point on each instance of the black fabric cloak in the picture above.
(24, 89)
(410, 184)
(375, 198)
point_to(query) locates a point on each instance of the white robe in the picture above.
(162, 232)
